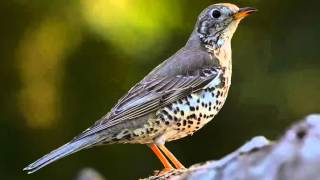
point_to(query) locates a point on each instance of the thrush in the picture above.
(175, 99)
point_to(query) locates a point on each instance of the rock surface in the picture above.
(296, 156)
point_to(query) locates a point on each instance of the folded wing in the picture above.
(150, 95)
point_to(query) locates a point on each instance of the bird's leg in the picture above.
(167, 166)
(172, 158)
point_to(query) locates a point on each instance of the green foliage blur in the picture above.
(64, 64)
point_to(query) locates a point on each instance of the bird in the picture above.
(176, 99)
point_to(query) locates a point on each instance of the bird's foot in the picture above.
(163, 172)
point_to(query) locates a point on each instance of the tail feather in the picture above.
(65, 150)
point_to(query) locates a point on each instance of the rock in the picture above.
(296, 156)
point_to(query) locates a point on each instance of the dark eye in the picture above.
(216, 13)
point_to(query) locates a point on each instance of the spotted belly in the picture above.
(188, 115)
(181, 118)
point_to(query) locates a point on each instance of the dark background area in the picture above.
(65, 64)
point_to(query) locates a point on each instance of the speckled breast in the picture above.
(189, 114)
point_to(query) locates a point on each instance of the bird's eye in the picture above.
(216, 13)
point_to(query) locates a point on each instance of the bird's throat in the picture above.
(223, 54)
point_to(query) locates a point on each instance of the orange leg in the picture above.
(162, 158)
(172, 158)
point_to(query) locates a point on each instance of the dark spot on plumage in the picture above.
(184, 122)
(202, 104)
(189, 126)
(198, 123)
(197, 107)
(169, 117)
(206, 105)
(200, 114)
(165, 112)
(212, 94)
(210, 103)
(209, 109)
(197, 127)
(183, 129)
(207, 71)
(175, 118)
(190, 122)
(180, 101)
(178, 129)
(193, 116)
(192, 108)
(170, 107)
(178, 124)
(182, 113)
(223, 81)
(211, 115)
(198, 100)
(199, 119)
(188, 103)
(158, 122)
(175, 111)
(162, 118)
(167, 122)
(205, 116)
(189, 96)
(217, 102)
(218, 94)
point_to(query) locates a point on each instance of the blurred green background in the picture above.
(65, 63)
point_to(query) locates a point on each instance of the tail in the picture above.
(65, 150)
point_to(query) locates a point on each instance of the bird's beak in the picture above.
(243, 12)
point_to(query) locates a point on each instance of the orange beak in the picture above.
(243, 12)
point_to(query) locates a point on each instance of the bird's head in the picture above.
(220, 20)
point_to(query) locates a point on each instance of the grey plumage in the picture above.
(59, 153)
